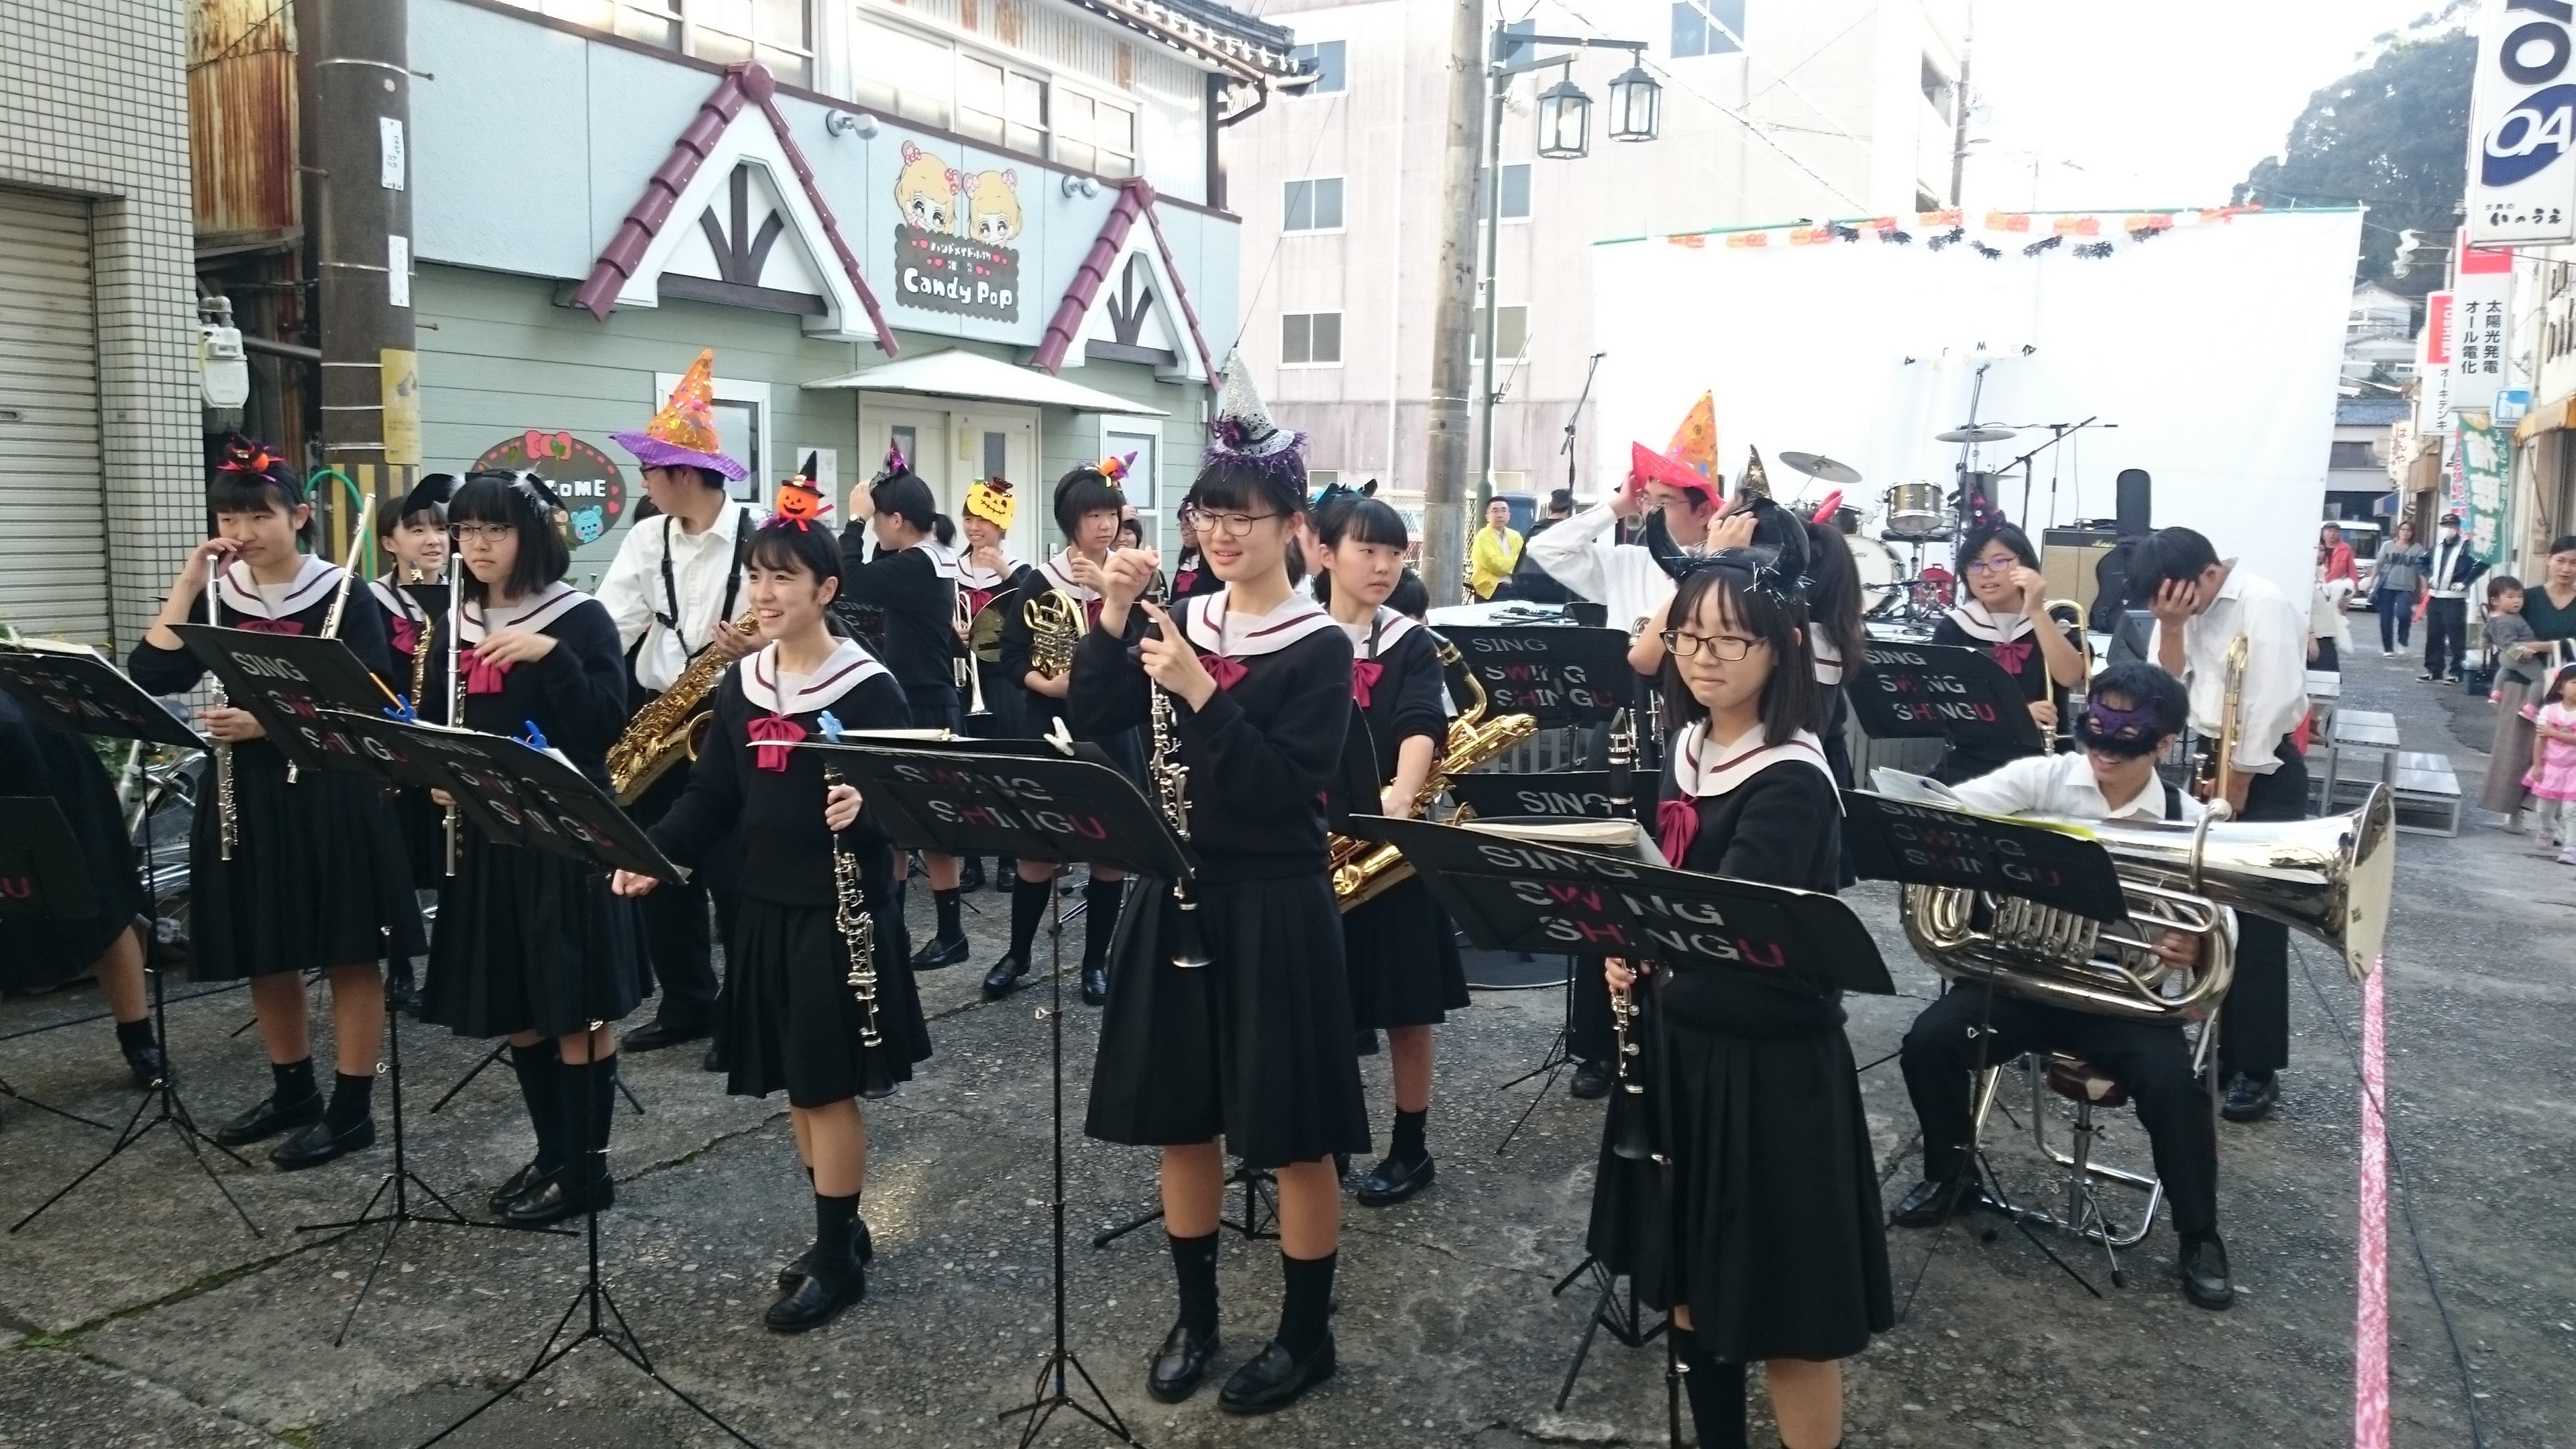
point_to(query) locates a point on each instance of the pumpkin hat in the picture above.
(800, 499)
(683, 433)
(990, 499)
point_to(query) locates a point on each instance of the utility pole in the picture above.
(354, 79)
(1959, 102)
(1444, 492)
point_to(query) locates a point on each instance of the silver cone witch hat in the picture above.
(1243, 428)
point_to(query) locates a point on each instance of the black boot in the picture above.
(835, 1275)
(347, 1125)
(1405, 1170)
(1028, 908)
(142, 1054)
(293, 1101)
(586, 1096)
(1716, 1394)
(538, 1069)
(1182, 1361)
(1302, 1355)
(947, 945)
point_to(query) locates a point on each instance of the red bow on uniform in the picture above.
(1226, 672)
(1365, 674)
(482, 676)
(272, 626)
(2014, 655)
(1676, 826)
(405, 635)
(770, 738)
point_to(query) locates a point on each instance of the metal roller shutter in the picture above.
(53, 544)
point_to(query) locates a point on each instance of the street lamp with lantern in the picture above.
(1564, 119)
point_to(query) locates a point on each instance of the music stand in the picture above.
(40, 877)
(1032, 800)
(74, 688)
(1517, 896)
(1562, 675)
(1943, 691)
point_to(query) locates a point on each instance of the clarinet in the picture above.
(227, 814)
(455, 680)
(858, 929)
(1171, 793)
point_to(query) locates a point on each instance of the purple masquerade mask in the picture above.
(2126, 732)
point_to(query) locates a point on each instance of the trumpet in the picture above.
(2214, 773)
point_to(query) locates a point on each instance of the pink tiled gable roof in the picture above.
(1135, 198)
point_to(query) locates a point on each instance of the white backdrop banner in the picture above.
(2214, 345)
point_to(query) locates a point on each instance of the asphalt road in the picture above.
(141, 1312)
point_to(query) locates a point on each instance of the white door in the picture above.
(53, 572)
(1003, 441)
(921, 432)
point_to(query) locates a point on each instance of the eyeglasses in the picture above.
(1993, 565)
(1728, 647)
(484, 532)
(1229, 525)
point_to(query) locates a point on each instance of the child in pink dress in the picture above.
(2552, 778)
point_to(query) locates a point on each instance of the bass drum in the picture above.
(1879, 572)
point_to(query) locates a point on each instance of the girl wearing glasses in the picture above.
(530, 944)
(1401, 950)
(2002, 615)
(1252, 1053)
(1774, 1249)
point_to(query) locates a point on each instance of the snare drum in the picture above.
(1914, 510)
(1878, 574)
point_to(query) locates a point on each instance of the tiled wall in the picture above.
(94, 102)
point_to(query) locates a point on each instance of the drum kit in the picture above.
(1897, 590)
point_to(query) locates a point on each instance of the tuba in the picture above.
(2328, 878)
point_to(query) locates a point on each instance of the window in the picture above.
(1314, 205)
(1323, 478)
(1325, 58)
(1511, 334)
(1516, 192)
(1003, 106)
(1144, 474)
(1310, 339)
(2352, 455)
(777, 33)
(1694, 34)
(1937, 89)
(1093, 135)
(900, 73)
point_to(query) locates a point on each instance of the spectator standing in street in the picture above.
(2400, 571)
(2553, 765)
(2446, 602)
(1497, 551)
(2516, 656)
(2334, 555)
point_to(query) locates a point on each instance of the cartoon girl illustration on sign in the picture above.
(993, 207)
(926, 191)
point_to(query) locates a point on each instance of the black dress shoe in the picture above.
(147, 1063)
(2204, 1273)
(402, 996)
(2250, 1097)
(1004, 978)
(1935, 1201)
(656, 1034)
(803, 1268)
(512, 1188)
(1006, 874)
(1275, 1379)
(970, 876)
(269, 1118)
(1179, 1365)
(1095, 985)
(318, 1144)
(713, 1061)
(1394, 1179)
(554, 1200)
(813, 1302)
(1592, 1080)
(940, 954)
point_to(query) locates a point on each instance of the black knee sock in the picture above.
(1194, 1264)
(1408, 1134)
(1028, 908)
(1305, 1308)
(586, 1098)
(134, 1036)
(351, 1100)
(1099, 919)
(537, 1068)
(1716, 1394)
(834, 1218)
(950, 928)
(293, 1080)
(603, 1109)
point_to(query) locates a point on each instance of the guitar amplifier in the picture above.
(2067, 556)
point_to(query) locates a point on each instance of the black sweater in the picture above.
(1966, 762)
(785, 853)
(1782, 826)
(920, 607)
(362, 628)
(575, 696)
(1259, 754)
(1406, 699)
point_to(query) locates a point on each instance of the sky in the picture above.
(2165, 104)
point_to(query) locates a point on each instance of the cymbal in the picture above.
(1973, 435)
(1817, 465)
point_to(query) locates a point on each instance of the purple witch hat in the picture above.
(1243, 430)
(683, 433)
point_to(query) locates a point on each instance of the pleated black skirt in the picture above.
(37, 952)
(789, 1020)
(423, 827)
(529, 941)
(1782, 1246)
(1255, 1047)
(318, 876)
(1403, 960)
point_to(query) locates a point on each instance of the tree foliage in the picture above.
(2392, 136)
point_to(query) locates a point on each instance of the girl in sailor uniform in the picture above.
(1775, 1249)
(1401, 951)
(791, 1019)
(2002, 615)
(988, 578)
(317, 880)
(413, 593)
(1087, 504)
(1251, 1054)
(530, 944)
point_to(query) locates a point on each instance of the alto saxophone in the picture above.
(1363, 870)
(1171, 793)
(227, 814)
(668, 728)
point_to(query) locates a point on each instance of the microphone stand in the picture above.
(1576, 416)
(2058, 433)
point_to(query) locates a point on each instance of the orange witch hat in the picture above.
(683, 433)
(1694, 444)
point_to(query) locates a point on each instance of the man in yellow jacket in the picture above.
(1496, 552)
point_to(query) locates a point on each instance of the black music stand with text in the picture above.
(40, 877)
(1559, 675)
(1943, 691)
(76, 689)
(1031, 800)
(1512, 895)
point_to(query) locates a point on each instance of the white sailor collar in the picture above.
(1829, 659)
(1389, 626)
(1978, 622)
(1702, 768)
(1206, 623)
(943, 559)
(396, 602)
(243, 594)
(533, 612)
(844, 669)
(1059, 576)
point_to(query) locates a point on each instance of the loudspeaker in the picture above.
(2136, 511)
